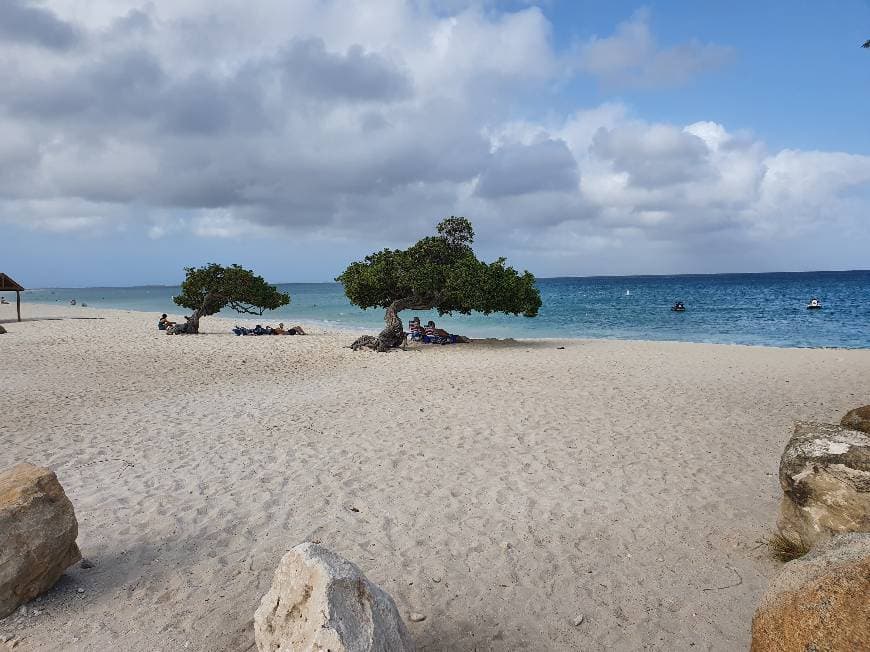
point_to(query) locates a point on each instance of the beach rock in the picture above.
(825, 477)
(2, 330)
(820, 601)
(38, 531)
(857, 419)
(320, 601)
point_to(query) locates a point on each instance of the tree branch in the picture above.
(245, 308)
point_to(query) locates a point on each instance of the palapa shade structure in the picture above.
(9, 285)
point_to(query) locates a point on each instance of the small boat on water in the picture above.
(814, 304)
(678, 307)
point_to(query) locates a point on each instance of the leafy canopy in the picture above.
(210, 288)
(441, 272)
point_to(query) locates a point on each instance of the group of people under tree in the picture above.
(439, 272)
(431, 334)
(269, 330)
(173, 328)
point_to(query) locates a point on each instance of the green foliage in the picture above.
(441, 272)
(210, 288)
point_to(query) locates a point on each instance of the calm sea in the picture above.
(760, 309)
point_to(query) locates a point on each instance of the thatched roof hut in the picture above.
(8, 284)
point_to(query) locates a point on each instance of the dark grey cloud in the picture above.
(356, 75)
(22, 22)
(133, 22)
(518, 169)
(115, 87)
(132, 84)
(204, 104)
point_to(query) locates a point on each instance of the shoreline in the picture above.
(324, 328)
(769, 310)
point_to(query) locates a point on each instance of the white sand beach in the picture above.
(502, 489)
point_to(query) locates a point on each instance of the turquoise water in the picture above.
(759, 309)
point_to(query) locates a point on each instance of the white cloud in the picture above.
(631, 57)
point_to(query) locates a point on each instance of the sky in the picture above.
(580, 137)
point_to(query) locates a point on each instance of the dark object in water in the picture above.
(814, 304)
(678, 307)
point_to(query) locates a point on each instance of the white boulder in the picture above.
(321, 602)
(825, 477)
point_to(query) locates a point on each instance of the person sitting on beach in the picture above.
(164, 323)
(415, 329)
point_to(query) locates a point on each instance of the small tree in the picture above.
(439, 272)
(206, 290)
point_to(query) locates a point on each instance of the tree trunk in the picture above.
(193, 323)
(192, 326)
(393, 335)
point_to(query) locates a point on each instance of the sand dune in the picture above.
(501, 489)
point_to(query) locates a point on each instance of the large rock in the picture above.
(819, 602)
(320, 601)
(825, 476)
(38, 531)
(857, 419)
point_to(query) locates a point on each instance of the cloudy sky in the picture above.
(294, 136)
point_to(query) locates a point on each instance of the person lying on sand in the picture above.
(293, 330)
(268, 330)
(441, 336)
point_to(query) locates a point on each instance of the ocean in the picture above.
(754, 309)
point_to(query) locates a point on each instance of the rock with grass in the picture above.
(321, 601)
(38, 531)
(857, 419)
(818, 602)
(825, 477)
(784, 548)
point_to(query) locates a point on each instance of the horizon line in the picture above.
(540, 278)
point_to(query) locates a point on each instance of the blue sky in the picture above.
(796, 78)
(582, 137)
